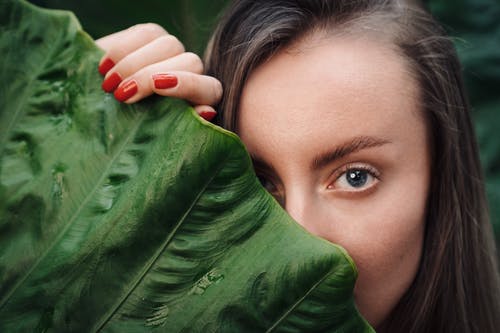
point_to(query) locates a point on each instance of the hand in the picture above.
(145, 59)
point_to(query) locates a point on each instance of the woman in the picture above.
(355, 115)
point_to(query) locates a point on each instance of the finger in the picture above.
(166, 46)
(206, 112)
(197, 89)
(120, 44)
(142, 78)
(177, 77)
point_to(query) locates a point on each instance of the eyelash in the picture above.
(270, 185)
(341, 172)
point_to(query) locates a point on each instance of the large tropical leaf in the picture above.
(139, 218)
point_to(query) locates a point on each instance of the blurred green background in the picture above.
(190, 20)
(474, 25)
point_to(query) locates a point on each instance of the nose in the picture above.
(300, 206)
(297, 211)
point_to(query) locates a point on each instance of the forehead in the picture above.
(334, 86)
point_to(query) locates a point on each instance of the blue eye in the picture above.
(356, 178)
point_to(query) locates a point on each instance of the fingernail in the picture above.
(126, 90)
(164, 81)
(106, 65)
(111, 82)
(208, 115)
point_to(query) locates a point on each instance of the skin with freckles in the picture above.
(338, 137)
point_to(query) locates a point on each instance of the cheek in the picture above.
(384, 236)
(387, 265)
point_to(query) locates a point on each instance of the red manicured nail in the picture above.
(106, 65)
(111, 82)
(208, 115)
(126, 90)
(164, 81)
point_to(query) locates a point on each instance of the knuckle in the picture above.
(189, 86)
(194, 62)
(190, 82)
(171, 42)
(150, 29)
(217, 90)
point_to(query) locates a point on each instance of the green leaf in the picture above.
(140, 218)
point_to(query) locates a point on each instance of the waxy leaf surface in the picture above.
(122, 218)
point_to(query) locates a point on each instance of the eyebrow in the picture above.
(354, 145)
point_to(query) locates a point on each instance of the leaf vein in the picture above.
(61, 234)
(18, 111)
(159, 252)
(298, 302)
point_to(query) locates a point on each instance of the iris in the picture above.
(357, 178)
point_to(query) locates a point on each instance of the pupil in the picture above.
(357, 178)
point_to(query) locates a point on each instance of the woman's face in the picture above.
(337, 135)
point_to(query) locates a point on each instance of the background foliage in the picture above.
(190, 20)
(474, 24)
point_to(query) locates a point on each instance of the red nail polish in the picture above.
(106, 65)
(111, 82)
(164, 81)
(208, 115)
(126, 90)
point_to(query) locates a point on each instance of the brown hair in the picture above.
(457, 287)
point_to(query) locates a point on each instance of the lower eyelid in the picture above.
(346, 194)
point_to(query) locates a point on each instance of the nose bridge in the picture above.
(303, 206)
(298, 204)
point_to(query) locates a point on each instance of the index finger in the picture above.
(122, 43)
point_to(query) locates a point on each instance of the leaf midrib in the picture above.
(157, 255)
(61, 234)
(298, 302)
(16, 115)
